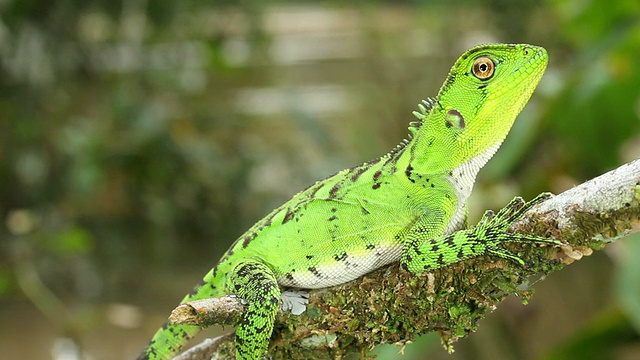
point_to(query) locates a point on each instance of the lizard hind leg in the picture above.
(254, 282)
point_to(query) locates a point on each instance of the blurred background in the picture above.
(139, 138)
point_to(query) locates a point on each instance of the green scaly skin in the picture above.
(404, 206)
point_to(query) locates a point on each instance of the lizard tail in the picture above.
(170, 338)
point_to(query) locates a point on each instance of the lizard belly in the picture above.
(341, 268)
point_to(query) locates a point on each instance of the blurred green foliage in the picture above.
(138, 139)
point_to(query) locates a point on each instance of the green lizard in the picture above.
(404, 206)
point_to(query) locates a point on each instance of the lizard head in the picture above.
(485, 90)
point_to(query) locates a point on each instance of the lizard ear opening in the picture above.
(483, 68)
(455, 119)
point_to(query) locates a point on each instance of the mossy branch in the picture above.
(393, 306)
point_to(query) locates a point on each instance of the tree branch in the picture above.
(393, 306)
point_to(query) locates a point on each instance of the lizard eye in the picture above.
(483, 68)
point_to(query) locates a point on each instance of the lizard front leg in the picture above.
(254, 281)
(424, 251)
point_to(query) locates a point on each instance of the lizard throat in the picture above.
(462, 179)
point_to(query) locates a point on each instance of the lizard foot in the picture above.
(493, 227)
